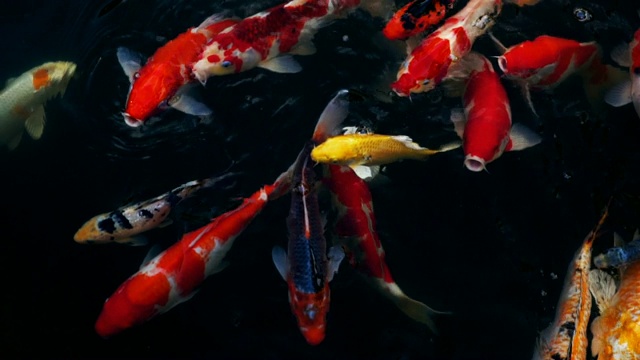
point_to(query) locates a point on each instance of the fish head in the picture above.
(337, 150)
(310, 310)
(150, 91)
(425, 68)
(536, 59)
(481, 150)
(53, 76)
(474, 163)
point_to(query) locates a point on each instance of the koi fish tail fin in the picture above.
(215, 180)
(378, 8)
(425, 153)
(414, 309)
(606, 84)
(332, 116)
(603, 287)
(281, 186)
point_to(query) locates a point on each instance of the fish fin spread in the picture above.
(459, 121)
(366, 172)
(621, 55)
(220, 266)
(450, 146)
(284, 64)
(335, 256)
(414, 309)
(526, 93)
(619, 94)
(332, 116)
(617, 240)
(521, 137)
(602, 287)
(636, 235)
(130, 61)
(183, 101)
(15, 141)
(137, 240)
(279, 257)
(215, 18)
(165, 223)
(408, 142)
(153, 252)
(35, 123)
(303, 49)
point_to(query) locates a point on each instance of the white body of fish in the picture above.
(22, 100)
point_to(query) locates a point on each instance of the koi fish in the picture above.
(620, 255)
(124, 224)
(628, 90)
(616, 332)
(371, 150)
(163, 80)
(546, 61)
(428, 63)
(566, 337)
(306, 267)
(264, 39)
(22, 100)
(485, 127)
(415, 17)
(356, 232)
(172, 276)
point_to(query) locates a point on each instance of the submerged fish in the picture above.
(566, 337)
(485, 127)
(306, 266)
(415, 17)
(629, 90)
(22, 100)
(163, 80)
(371, 150)
(266, 38)
(124, 224)
(620, 255)
(616, 332)
(172, 276)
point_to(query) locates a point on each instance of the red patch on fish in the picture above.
(40, 79)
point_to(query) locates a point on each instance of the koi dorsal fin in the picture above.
(332, 117)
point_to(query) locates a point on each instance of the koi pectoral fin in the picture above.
(619, 94)
(130, 61)
(184, 102)
(336, 254)
(282, 64)
(521, 137)
(279, 257)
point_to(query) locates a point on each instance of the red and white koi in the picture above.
(566, 337)
(22, 100)
(306, 267)
(616, 332)
(485, 127)
(171, 277)
(429, 62)
(124, 224)
(629, 90)
(356, 232)
(265, 39)
(416, 17)
(162, 81)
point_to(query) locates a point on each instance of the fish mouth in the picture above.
(131, 121)
(474, 163)
(502, 63)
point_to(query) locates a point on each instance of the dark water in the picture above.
(491, 247)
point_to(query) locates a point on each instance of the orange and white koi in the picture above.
(356, 232)
(566, 337)
(171, 277)
(629, 90)
(265, 39)
(22, 100)
(429, 62)
(124, 224)
(616, 332)
(306, 266)
(163, 80)
(416, 17)
(485, 127)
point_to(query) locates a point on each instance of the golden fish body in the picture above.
(370, 150)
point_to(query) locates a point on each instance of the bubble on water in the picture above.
(582, 15)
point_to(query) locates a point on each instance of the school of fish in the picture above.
(439, 36)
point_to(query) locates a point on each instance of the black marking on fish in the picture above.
(145, 214)
(557, 356)
(107, 225)
(121, 220)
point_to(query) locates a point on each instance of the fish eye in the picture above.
(136, 75)
(582, 15)
(226, 64)
(426, 82)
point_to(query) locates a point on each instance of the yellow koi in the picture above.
(372, 149)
